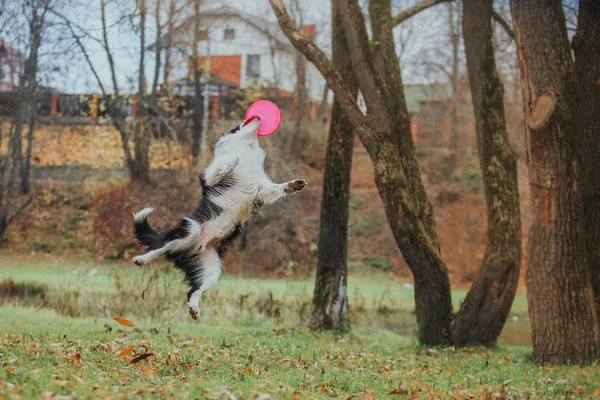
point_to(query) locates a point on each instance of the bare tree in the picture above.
(34, 16)
(385, 133)
(158, 47)
(197, 126)
(141, 166)
(168, 45)
(444, 60)
(330, 300)
(301, 89)
(137, 161)
(561, 301)
(35, 13)
(487, 305)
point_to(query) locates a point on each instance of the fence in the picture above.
(226, 102)
(93, 108)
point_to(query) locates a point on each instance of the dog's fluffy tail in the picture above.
(142, 230)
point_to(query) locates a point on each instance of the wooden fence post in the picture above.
(53, 105)
(215, 108)
(94, 106)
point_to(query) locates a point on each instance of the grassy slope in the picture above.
(245, 351)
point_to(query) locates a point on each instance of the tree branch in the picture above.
(504, 23)
(83, 50)
(316, 56)
(372, 85)
(415, 9)
(109, 56)
(19, 210)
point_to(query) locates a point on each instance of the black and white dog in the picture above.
(235, 187)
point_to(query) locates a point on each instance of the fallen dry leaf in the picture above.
(141, 357)
(123, 322)
(125, 352)
(76, 358)
(398, 390)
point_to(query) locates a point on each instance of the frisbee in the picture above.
(269, 114)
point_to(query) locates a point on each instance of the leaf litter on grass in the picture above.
(270, 363)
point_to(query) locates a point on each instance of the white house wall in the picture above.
(251, 41)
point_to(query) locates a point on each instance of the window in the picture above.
(229, 34)
(253, 66)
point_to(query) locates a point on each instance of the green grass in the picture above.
(248, 344)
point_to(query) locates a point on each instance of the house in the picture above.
(247, 50)
(11, 63)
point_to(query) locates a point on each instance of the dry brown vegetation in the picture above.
(89, 212)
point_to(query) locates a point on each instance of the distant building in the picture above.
(247, 50)
(11, 63)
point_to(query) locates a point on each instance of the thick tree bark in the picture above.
(561, 302)
(586, 46)
(485, 309)
(330, 301)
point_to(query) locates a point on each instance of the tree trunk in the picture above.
(586, 46)
(330, 301)
(323, 105)
(197, 123)
(141, 164)
(397, 172)
(485, 309)
(158, 50)
(169, 42)
(561, 302)
(301, 105)
(26, 109)
(454, 34)
(26, 166)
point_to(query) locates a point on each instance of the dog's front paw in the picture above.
(295, 186)
(140, 261)
(194, 312)
(228, 167)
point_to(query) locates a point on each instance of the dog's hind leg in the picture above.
(202, 276)
(192, 233)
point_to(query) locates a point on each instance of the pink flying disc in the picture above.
(269, 114)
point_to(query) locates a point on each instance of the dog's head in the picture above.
(241, 139)
(242, 136)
